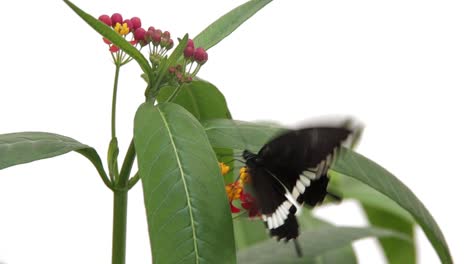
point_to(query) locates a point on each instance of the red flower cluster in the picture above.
(236, 191)
(199, 54)
(122, 27)
(184, 72)
(158, 41)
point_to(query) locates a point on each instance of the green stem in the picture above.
(127, 165)
(119, 232)
(133, 181)
(114, 98)
(174, 94)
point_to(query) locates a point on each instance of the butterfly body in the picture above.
(291, 170)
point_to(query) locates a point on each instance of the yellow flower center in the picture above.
(224, 168)
(121, 29)
(233, 191)
(244, 175)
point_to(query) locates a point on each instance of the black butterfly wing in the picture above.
(301, 158)
(290, 170)
(277, 211)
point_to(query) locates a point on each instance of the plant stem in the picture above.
(119, 232)
(114, 98)
(127, 165)
(174, 94)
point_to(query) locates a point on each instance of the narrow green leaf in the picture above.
(202, 99)
(343, 255)
(186, 204)
(396, 251)
(24, 147)
(225, 133)
(115, 38)
(357, 166)
(350, 188)
(112, 156)
(226, 24)
(249, 232)
(381, 211)
(314, 242)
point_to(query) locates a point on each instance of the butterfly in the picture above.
(291, 170)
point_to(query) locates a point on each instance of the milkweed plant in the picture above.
(197, 195)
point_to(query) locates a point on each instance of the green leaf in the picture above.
(202, 99)
(225, 133)
(24, 147)
(186, 205)
(396, 251)
(340, 255)
(357, 166)
(115, 38)
(350, 188)
(226, 24)
(112, 155)
(248, 232)
(382, 212)
(314, 243)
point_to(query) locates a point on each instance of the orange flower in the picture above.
(224, 168)
(244, 176)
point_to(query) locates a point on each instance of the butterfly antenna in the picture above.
(334, 197)
(298, 248)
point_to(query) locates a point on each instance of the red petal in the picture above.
(108, 42)
(114, 49)
(234, 209)
(247, 206)
(133, 42)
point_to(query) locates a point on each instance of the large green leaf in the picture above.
(202, 99)
(396, 251)
(115, 38)
(226, 24)
(314, 243)
(357, 166)
(186, 205)
(24, 147)
(225, 133)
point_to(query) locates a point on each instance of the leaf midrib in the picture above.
(182, 174)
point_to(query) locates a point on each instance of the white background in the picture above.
(400, 67)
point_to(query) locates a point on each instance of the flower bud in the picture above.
(166, 34)
(200, 56)
(156, 36)
(106, 20)
(188, 52)
(116, 18)
(139, 34)
(170, 44)
(190, 43)
(136, 22)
